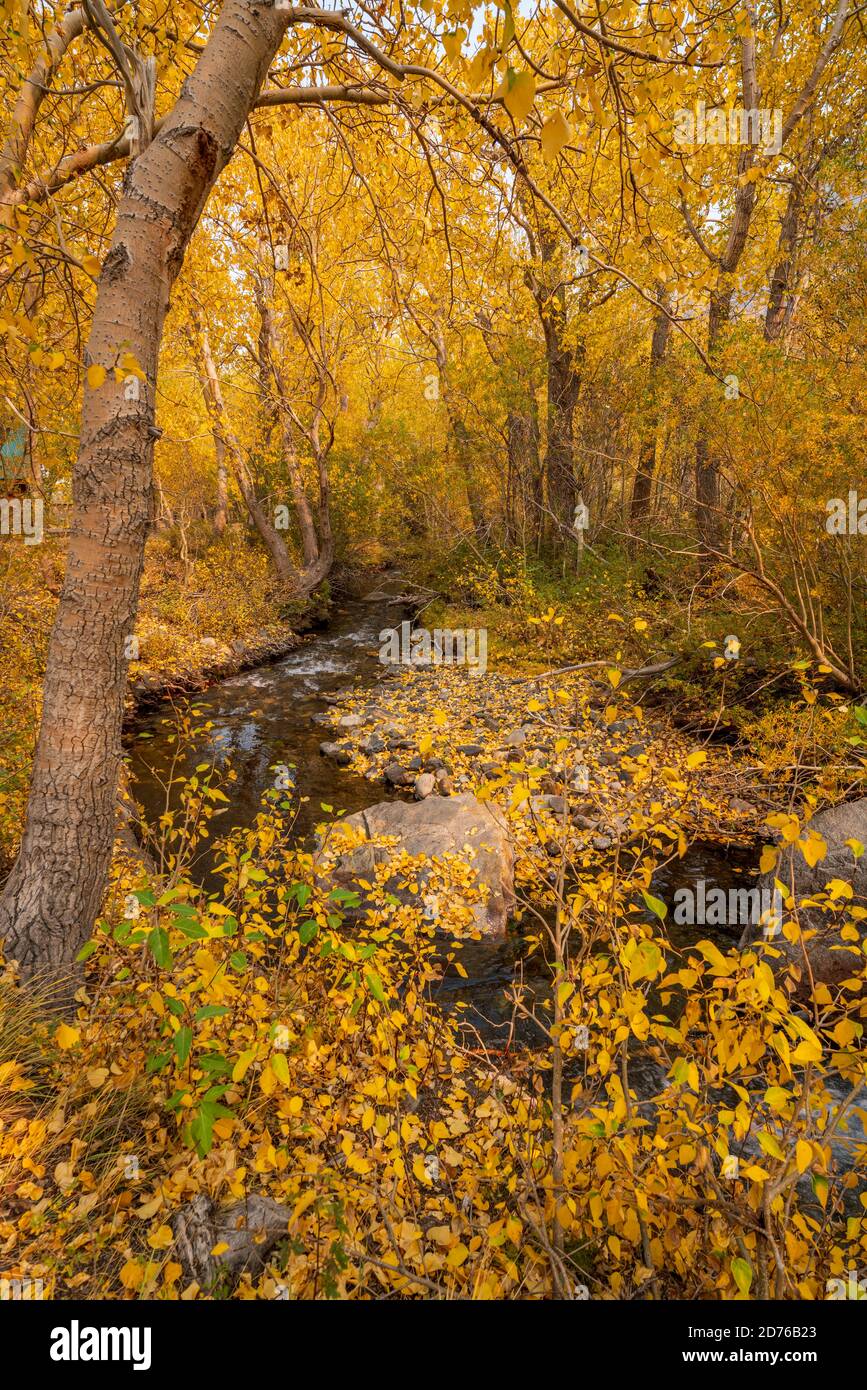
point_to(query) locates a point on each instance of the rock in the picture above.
(341, 756)
(445, 785)
(209, 643)
(516, 739)
(635, 750)
(583, 822)
(470, 750)
(424, 786)
(350, 721)
(374, 744)
(831, 958)
(602, 842)
(415, 764)
(435, 827)
(554, 805)
(394, 745)
(250, 1229)
(742, 807)
(397, 776)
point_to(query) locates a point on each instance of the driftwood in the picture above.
(639, 673)
(251, 1228)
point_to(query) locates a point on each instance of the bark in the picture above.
(525, 489)
(564, 384)
(781, 293)
(643, 485)
(33, 92)
(55, 889)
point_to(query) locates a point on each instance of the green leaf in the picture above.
(742, 1271)
(655, 905)
(87, 950)
(238, 960)
(158, 941)
(280, 1067)
(307, 931)
(211, 1011)
(374, 984)
(183, 1041)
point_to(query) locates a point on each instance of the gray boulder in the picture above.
(831, 958)
(434, 827)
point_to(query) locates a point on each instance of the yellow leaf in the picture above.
(614, 676)
(95, 377)
(556, 132)
(696, 759)
(518, 92)
(91, 265)
(242, 1065)
(768, 859)
(452, 43)
(813, 848)
(66, 1037)
(803, 1155)
(131, 1275)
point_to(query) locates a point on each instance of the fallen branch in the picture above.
(640, 673)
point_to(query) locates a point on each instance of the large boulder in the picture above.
(442, 833)
(832, 958)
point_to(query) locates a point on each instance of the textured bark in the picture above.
(54, 891)
(643, 485)
(781, 294)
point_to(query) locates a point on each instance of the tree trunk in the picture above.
(269, 355)
(782, 287)
(564, 385)
(55, 889)
(643, 485)
(526, 490)
(271, 538)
